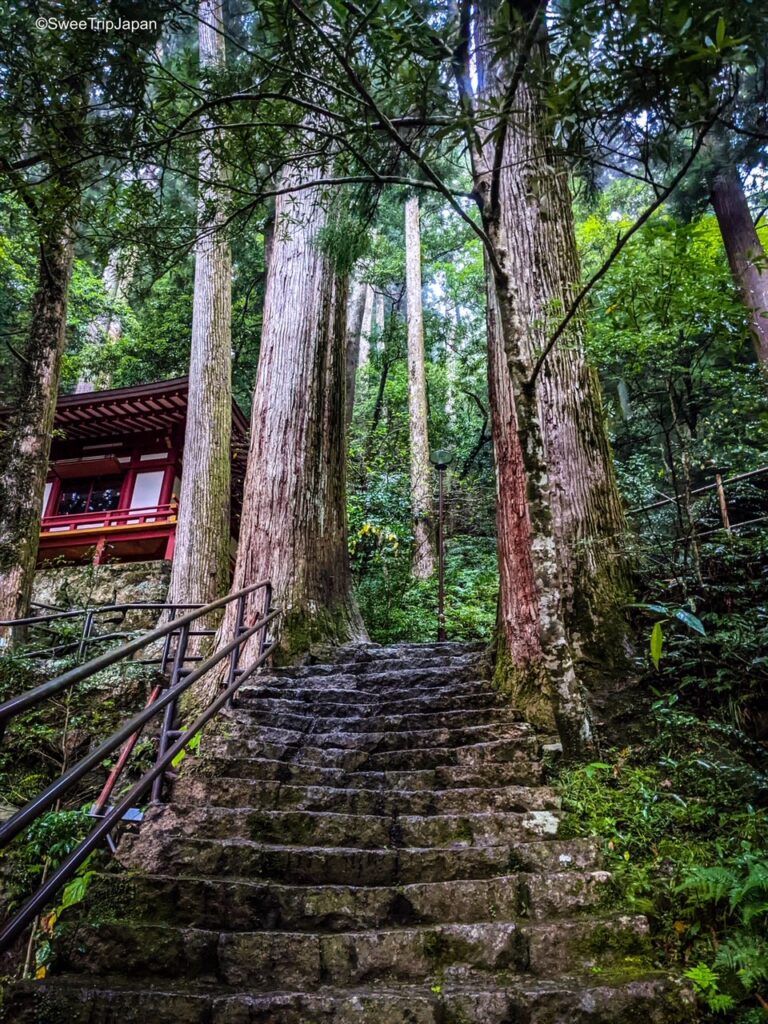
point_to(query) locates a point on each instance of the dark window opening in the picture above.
(99, 495)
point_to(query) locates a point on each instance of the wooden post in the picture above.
(723, 502)
(98, 554)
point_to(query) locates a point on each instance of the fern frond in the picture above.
(708, 885)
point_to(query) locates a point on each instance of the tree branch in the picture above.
(395, 135)
(663, 195)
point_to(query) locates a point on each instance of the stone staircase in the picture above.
(368, 840)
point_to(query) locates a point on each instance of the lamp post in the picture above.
(441, 460)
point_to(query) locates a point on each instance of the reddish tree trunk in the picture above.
(745, 254)
(569, 580)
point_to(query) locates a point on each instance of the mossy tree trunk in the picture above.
(293, 527)
(535, 224)
(25, 446)
(563, 578)
(423, 561)
(201, 558)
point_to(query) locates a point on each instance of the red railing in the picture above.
(156, 514)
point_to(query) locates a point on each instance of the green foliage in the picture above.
(396, 607)
(683, 822)
(730, 902)
(657, 633)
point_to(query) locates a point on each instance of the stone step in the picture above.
(406, 663)
(649, 997)
(354, 688)
(274, 906)
(309, 720)
(521, 750)
(364, 653)
(315, 865)
(365, 742)
(522, 773)
(264, 961)
(382, 676)
(300, 702)
(365, 832)
(239, 792)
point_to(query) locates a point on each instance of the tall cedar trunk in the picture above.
(355, 317)
(201, 558)
(423, 563)
(26, 445)
(587, 516)
(293, 528)
(561, 467)
(745, 254)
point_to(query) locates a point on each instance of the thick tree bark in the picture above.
(423, 562)
(26, 446)
(520, 659)
(201, 558)
(537, 233)
(745, 254)
(293, 527)
(560, 463)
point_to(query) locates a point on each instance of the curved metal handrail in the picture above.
(23, 701)
(167, 702)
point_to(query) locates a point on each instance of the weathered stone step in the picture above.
(264, 961)
(382, 677)
(368, 742)
(365, 832)
(313, 865)
(239, 792)
(274, 906)
(407, 663)
(522, 773)
(520, 750)
(365, 690)
(409, 653)
(281, 700)
(308, 719)
(648, 997)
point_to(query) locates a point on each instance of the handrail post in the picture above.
(265, 612)
(166, 655)
(234, 658)
(169, 715)
(85, 636)
(723, 502)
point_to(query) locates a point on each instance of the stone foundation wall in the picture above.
(78, 586)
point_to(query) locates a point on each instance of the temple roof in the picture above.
(136, 410)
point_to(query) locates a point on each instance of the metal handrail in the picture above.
(71, 613)
(699, 490)
(16, 705)
(90, 615)
(182, 680)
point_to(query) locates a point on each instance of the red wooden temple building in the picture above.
(115, 474)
